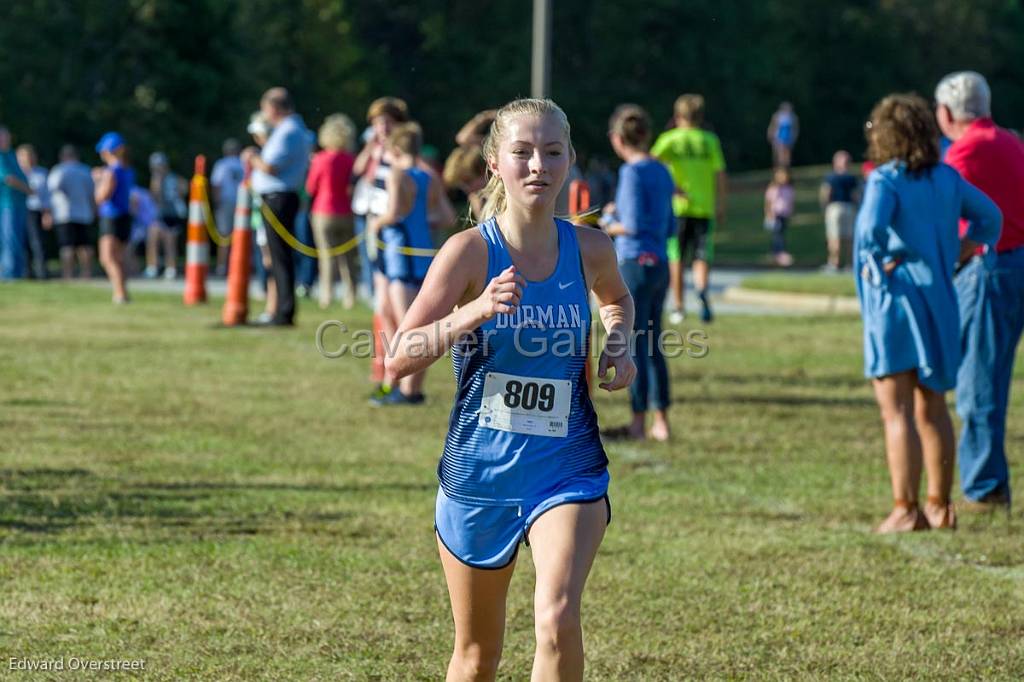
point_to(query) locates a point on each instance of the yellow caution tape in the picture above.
(211, 225)
(408, 250)
(291, 241)
(588, 217)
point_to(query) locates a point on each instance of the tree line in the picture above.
(181, 75)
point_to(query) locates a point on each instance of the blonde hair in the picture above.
(690, 108)
(407, 138)
(337, 132)
(463, 165)
(495, 197)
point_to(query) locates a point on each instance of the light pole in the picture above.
(540, 72)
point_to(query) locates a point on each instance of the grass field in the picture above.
(225, 505)
(840, 284)
(743, 241)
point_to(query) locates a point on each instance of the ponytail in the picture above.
(494, 198)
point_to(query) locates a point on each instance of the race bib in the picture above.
(528, 405)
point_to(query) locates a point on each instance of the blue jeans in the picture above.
(12, 242)
(779, 234)
(648, 284)
(34, 242)
(305, 266)
(991, 296)
(258, 271)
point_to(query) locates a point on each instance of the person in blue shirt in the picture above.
(114, 183)
(523, 458)
(783, 129)
(641, 222)
(403, 228)
(14, 191)
(906, 247)
(279, 171)
(38, 204)
(839, 194)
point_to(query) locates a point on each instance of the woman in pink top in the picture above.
(329, 186)
(778, 209)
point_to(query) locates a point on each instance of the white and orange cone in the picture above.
(236, 303)
(197, 249)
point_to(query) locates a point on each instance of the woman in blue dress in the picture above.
(523, 459)
(906, 249)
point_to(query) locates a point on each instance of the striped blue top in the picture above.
(538, 354)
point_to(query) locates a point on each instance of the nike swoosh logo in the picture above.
(565, 285)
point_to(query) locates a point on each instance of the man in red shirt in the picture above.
(990, 286)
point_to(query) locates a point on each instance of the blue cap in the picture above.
(109, 142)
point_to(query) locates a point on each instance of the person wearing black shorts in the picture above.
(169, 191)
(694, 235)
(72, 206)
(72, 240)
(114, 184)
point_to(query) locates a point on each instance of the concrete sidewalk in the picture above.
(728, 297)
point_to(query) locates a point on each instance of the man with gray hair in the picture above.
(990, 286)
(279, 170)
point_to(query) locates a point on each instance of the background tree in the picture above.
(181, 75)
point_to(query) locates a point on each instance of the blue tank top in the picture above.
(414, 229)
(523, 423)
(119, 203)
(784, 129)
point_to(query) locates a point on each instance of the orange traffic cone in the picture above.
(579, 201)
(377, 368)
(579, 197)
(236, 304)
(197, 250)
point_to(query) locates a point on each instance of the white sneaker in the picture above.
(170, 273)
(150, 272)
(676, 316)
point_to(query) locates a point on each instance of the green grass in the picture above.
(803, 283)
(743, 241)
(224, 504)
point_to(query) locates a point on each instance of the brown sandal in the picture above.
(945, 517)
(905, 517)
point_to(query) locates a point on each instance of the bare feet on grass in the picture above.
(660, 431)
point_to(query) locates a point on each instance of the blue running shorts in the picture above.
(488, 537)
(397, 266)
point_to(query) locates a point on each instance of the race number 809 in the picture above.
(529, 395)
